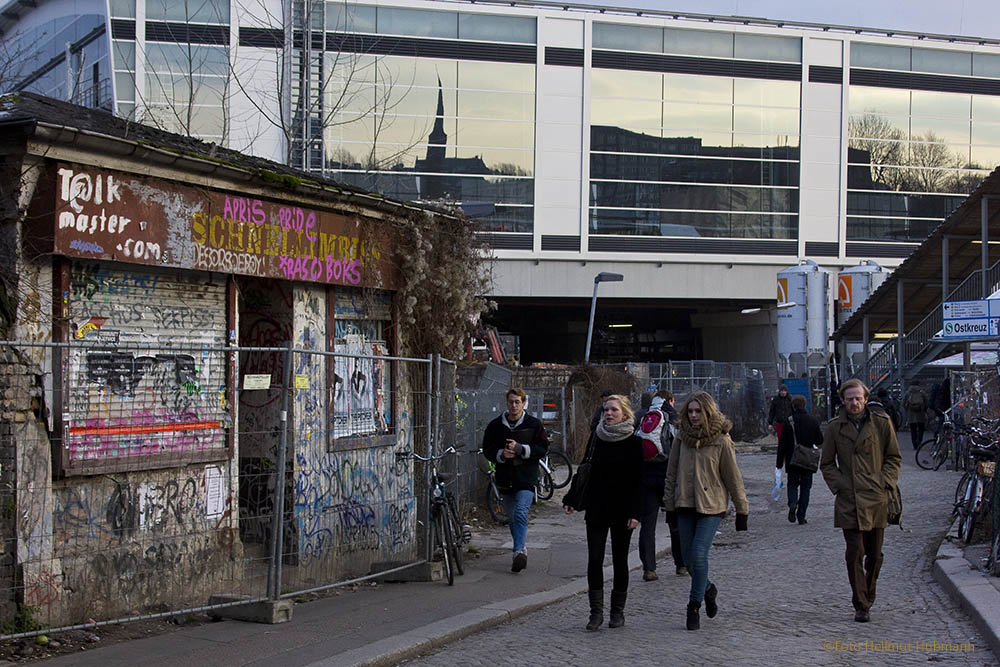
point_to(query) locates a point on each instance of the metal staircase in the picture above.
(918, 347)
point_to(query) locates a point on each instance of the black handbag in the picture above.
(805, 457)
(576, 497)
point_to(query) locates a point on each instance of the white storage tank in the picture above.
(854, 285)
(803, 321)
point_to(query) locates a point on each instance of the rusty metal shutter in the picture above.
(149, 392)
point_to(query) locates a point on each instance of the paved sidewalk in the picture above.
(382, 624)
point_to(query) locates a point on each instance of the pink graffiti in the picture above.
(314, 269)
(242, 209)
(297, 220)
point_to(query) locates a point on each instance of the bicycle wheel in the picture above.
(458, 535)
(561, 469)
(927, 455)
(544, 488)
(960, 491)
(967, 514)
(494, 503)
(994, 562)
(444, 540)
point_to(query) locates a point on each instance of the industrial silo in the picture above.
(803, 321)
(854, 285)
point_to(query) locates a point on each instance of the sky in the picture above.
(970, 18)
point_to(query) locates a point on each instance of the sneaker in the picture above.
(862, 616)
(803, 521)
(649, 575)
(791, 514)
(682, 571)
(520, 562)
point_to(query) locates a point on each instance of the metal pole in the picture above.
(277, 534)
(430, 452)
(899, 336)
(984, 208)
(944, 269)
(867, 347)
(562, 409)
(590, 326)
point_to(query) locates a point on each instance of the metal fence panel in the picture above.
(319, 439)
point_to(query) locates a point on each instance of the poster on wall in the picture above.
(354, 390)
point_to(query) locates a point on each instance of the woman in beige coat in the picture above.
(702, 476)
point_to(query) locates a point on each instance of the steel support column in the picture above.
(899, 337)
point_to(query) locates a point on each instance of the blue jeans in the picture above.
(798, 493)
(516, 505)
(696, 533)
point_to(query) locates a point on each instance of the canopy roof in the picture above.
(921, 272)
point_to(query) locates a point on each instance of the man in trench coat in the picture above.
(860, 464)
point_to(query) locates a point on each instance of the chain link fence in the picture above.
(974, 394)
(138, 482)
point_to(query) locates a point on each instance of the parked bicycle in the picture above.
(935, 450)
(978, 495)
(492, 498)
(555, 473)
(449, 533)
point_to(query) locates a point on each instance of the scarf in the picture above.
(615, 432)
(704, 433)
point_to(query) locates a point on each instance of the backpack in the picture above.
(915, 401)
(651, 431)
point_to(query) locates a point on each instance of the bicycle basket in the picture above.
(986, 468)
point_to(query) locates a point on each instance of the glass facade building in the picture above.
(685, 151)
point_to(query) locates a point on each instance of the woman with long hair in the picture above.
(702, 476)
(613, 503)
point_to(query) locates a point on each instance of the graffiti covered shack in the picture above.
(151, 283)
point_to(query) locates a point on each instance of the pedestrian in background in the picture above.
(654, 472)
(780, 411)
(516, 441)
(613, 502)
(803, 429)
(860, 463)
(702, 476)
(916, 412)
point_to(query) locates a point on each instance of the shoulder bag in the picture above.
(577, 494)
(803, 456)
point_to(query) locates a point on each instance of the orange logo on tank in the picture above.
(844, 291)
(782, 290)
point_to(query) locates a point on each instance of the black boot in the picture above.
(596, 609)
(711, 607)
(693, 622)
(617, 619)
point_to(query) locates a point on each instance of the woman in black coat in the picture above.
(614, 504)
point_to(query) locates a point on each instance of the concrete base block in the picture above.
(433, 571)
(268, 611)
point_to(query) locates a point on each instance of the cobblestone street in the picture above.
(783, 597)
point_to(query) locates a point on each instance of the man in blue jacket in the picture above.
(516, 441)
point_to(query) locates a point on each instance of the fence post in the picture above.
(277, 533)
(428, 406)
(562, 414)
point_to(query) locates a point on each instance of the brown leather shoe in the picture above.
(862, 616)
(649, 575)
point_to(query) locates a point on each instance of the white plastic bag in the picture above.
(779, 484)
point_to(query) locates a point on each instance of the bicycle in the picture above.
(935, 450)
(555, 473)
(493, 500)
(977, 498)
(449, 533)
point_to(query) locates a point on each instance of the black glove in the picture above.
(519, 450)
(671, 517)
(741, 522)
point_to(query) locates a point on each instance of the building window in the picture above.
(693, 155)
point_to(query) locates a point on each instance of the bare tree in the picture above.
(885, 145)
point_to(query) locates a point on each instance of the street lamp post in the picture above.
(602, 277)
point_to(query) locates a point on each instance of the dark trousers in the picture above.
(647, 533)
(799, 486)
(916, 433)
(597, 540)
(864, 560)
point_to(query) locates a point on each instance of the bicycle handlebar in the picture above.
(450, 450)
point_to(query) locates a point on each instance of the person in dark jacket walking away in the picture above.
(916, 413)
(613, 502)
(805, 431)
(654, 472)
(516, 441)
(701, 478)
(780, 411)
(888, 405)
(860, 463)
